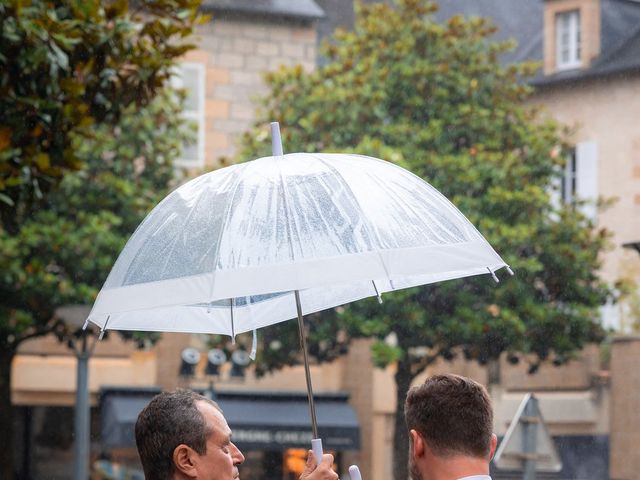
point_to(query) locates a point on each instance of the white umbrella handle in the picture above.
(316, 447)
(354, 472)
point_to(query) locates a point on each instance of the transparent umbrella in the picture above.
(279, 237)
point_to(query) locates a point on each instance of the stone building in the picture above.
(589, 52)
(591, 78)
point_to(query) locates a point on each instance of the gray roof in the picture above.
(522, 20)
(338, 13)
(519, 20)
(300, 9)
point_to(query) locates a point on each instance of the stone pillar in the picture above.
(168, 352)
(625, 408)
(358, 381)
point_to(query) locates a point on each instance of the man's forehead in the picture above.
(214, 417)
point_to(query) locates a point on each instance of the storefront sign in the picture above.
(279, 438)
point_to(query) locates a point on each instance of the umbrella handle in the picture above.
(354, 472)
(316, 447)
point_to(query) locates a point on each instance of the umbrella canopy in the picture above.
(225, 252)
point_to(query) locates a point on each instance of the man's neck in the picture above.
(453, 468)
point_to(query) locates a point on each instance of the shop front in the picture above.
(272, 429)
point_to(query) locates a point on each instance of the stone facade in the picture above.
(625, 405)
(589, 22)
(236, 53)
(605, 111)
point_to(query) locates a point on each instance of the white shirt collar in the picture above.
(476, 477)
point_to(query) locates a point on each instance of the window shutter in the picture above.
(191, 77)
(587, 176)
(610, 315)
(555, 192)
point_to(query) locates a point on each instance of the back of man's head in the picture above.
(453, 414)
(170, 419)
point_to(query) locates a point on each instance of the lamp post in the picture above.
(74, 317)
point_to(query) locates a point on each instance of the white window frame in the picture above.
(587, 184)
(569, 179)
(197, 115)
(580, 179)
(568, 40)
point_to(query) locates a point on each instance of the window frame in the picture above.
(568, 191)
(198, 115)
(573, 30)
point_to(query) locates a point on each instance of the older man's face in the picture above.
(221, 460)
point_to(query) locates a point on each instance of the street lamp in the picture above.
(239, 359)
(216, 358)
(190, 358)
(74, 316)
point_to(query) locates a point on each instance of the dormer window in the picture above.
(568, 39)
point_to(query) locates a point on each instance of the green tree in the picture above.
(435, 99)
(66, 65)
(62, 253)
(69, 71)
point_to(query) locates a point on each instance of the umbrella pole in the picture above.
(303, 346)
(316, 442)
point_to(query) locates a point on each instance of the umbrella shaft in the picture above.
(303, 346)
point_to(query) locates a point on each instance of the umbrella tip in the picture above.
(495, 278)
(104, 328)
(510, 271)
(276, 140)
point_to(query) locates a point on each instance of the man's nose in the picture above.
(237, 455)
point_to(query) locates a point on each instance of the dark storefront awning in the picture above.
(259, 420)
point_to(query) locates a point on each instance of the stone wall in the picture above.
(606, 112)
(236, 53)
(625, 408)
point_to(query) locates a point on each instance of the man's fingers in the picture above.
(311, 462)
(326, 467)
(327, 460)
(323, 471)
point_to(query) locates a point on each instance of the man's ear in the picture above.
(417, 444)
(494, 444)
(184, 460)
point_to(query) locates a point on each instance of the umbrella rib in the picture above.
(433, 232)
(222, 229)
(371, 230)
(286, 210)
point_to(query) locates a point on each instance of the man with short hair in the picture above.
(450, 422)
(182, 435)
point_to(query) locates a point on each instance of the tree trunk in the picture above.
(6, 415)
(403, 379)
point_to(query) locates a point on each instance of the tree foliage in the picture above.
(63, 252)
(87, 137)
(67, 65)
(435, 99)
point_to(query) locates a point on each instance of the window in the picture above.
(568, 187)
(568, 39)
(190, 77)
(580, 178)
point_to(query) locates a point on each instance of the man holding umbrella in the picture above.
(183, 435)
(450, 422)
